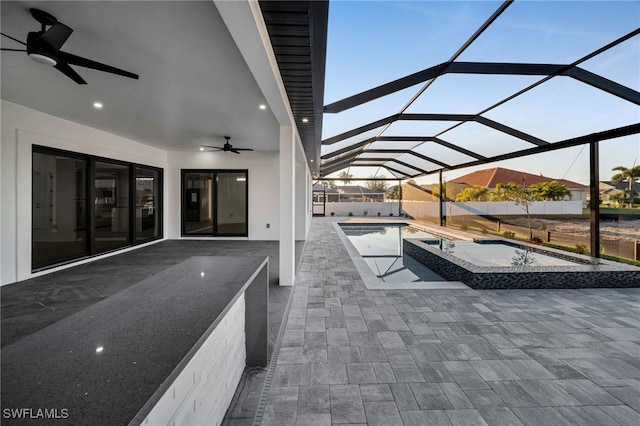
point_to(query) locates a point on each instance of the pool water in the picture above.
(500, 254)
(380, 245)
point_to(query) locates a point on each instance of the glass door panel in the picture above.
(111, 206)
(231, 203)
(59, 231)
(147, 204)
(198, 203)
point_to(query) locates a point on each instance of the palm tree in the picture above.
(630, 175)
(346, 178)
(377, 185)
(551, 191)
(473, 193)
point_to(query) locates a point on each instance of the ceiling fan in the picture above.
(228, 147)
(44, 47)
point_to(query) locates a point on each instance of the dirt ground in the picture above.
(624, 230)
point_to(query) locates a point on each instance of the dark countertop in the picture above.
(144, 333)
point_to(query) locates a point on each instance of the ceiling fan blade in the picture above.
(14, 39)
(234, 150)
(57, 35)
(213, 147)
(88, 63)
(65, 69)
(14, 50)
(243, 149)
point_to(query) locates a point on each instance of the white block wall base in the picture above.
(202, 392)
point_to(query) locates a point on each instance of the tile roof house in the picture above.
(489, 178)
(349, 193)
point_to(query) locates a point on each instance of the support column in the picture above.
(440, 196)
(287, 205)
(399, 198)
(594, 203)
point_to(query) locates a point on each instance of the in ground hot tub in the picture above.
(500, 264)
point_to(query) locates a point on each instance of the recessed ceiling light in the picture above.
(312, 161)
(97, 105)
(263, 106)
(201, 149)
(305, 120)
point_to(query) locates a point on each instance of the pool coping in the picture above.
(372, 282)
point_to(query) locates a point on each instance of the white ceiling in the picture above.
(194, 85)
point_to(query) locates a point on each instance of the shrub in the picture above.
(581, 249)
(365, 212)
(484, 230)
(509, 234)
(390, 214)
(350, 213)
(379, 213)
(536, 240)
(464, 227)
(333, 213)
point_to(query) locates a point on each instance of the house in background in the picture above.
(490, 178)
(608, 189)
(346, 194)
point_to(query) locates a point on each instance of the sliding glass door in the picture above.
(84, 205)
(214, 202)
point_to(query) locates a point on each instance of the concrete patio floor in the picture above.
(349, 355)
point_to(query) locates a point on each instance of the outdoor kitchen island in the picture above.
(171, 348)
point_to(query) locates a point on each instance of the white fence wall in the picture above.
(358, 208)
(419, 209)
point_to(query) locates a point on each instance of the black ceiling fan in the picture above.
(228, 147)
(44, 46)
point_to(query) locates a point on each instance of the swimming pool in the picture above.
(503, 253)
(380, 246)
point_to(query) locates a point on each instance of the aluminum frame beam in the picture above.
(436, 117)
(480, 68)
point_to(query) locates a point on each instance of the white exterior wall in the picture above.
(21, 128)
(263, 183)
(358, 208)
(419, 209)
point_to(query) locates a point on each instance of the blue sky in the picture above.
(371, 43)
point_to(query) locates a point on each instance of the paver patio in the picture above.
(349, 355)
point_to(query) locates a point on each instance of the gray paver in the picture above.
(384, 372)
(456, 396)
(499, 416)
(376, 393)
(421, 418)
(313, 399)
(346, 404)
(541, 416)
(328, 374)
(383, 413)
(361, 373)
(547, 393)
(466, 418)
(429, 396)
(586, 416)
(403, 396)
